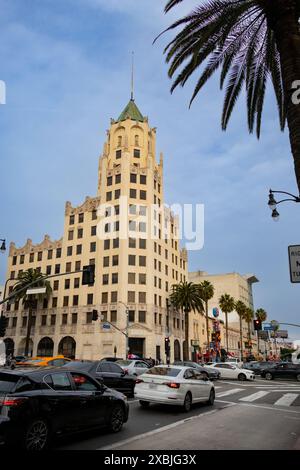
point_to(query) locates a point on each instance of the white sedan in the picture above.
(231, 371)
(174, 385)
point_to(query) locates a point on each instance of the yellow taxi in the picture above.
(56, 361)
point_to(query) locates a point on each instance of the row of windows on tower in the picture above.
(133, 194)
(80, 219)
(136, 153)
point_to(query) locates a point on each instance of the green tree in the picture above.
(206, 293)
(185, 296)
(250, 41)
(261, 315)
(248, 317)
(227, 305)
(30, 300)
(240, 309)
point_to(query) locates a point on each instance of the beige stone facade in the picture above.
(240, 288)
(133, 241)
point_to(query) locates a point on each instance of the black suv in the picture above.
(37, 405)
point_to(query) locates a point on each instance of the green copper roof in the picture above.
(132, 112)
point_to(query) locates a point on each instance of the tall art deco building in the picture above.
(133, 241)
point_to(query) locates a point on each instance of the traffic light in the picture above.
(257, 324)
(95, 315)
(3, 326)
(88, 275)
(167, 346)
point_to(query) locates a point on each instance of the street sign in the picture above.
(280, 334)
(106, 326)
(263, 335)
(294, 260)
(36, 290)
(267, 327)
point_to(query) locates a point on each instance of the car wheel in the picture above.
(187, 402)
(268, 376)
(144, 404)
(36, 435)
(242, 377)
(211, 399)
(298, 377)
(116, 418)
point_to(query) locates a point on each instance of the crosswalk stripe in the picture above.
(229, 392)
(287, 399)
(254, 396)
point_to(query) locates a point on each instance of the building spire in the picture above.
(132, 77)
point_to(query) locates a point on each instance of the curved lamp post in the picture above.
(272, 203)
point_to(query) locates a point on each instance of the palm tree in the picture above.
(275, 326)
(248, 317)
(227, 305)
(30, 300)
(261, 315)
(251, 41)
(206, 293)
(240, 309)
(186, 297)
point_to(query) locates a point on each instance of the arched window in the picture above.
(67, 347)
(45, 347)
(120, 141)
(136, 141)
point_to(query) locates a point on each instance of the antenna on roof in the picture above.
(132, 77)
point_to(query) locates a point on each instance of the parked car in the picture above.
(37, 405)
(133, 366)
(258, 366)
(231, 371)
(234, 360)
(55, 361)
(282, 371)
(110, 373)
(174, 385)
(209, 372)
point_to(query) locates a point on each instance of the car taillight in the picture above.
(139, 381)
(12, 401)
(172, 384)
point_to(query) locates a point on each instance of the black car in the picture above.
(110, 373)
(258, 366)
(210, 373)
(37, 405)
(282, 371)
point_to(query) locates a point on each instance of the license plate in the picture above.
(152, 385)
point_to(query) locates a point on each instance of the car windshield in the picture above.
(124, 363)
(168, 371)
(8, 382)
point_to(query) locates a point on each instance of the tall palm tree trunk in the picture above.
(28, 333)
(226, 319)
(207, 327)
(186, 355)
(258, 342)
(241, 337)
(249, 338)
(287, 34)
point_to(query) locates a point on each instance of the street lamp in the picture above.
(3, 246)
(127, 327)
(272, 203)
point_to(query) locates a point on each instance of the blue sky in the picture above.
(66, 64)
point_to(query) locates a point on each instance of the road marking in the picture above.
(162, 429)
(254, 396)
(287, 399)
(229, 392)
(259, 406)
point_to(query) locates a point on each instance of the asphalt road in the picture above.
(246, 415)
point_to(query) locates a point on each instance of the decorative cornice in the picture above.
(29, 247)
(90, 204)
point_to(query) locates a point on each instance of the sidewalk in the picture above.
(230, 428)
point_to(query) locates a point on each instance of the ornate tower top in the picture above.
(131, 112)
